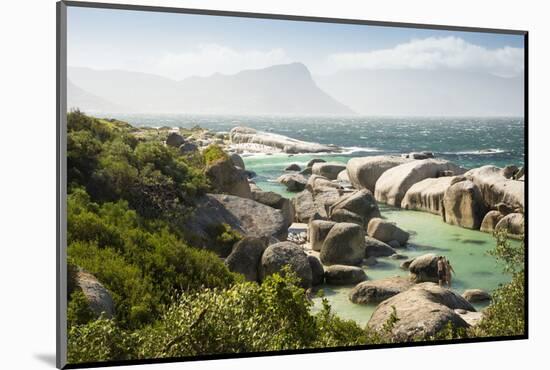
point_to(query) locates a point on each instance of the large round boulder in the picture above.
(393, 184)
(427, 195)
(293, 167)
(376, 248)
(343, 215)
(187, 147)
(490, 221)
(228, 179)
(245, 216)
(344, 275)
(237, 161)
(318, 184)
(364, 172)
(476, 295)
(495, 188)
(277, 201)
(386, 231)
(513, 224)
(463, 205)
(293, 181)
(376, 291)
(278, 255)
(360, 202)
(424, 268)
(317, 270)
(175, 140)
(330, 170)
(99, 298)
(245, 257)
(304, 206)
(318, 231)
(422, 311)
(344, 245)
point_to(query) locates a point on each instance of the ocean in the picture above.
(469, 142)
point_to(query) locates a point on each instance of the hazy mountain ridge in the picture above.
(280, 89)
(426, 92)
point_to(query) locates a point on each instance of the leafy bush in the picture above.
(505, 316)
(213, 153)
(246, 317)
(78, 309)
(140, 261)
(107, 159)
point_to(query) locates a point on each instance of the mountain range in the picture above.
(279, 89)
(290, 89)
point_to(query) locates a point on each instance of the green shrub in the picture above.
(213, 152)
(140, 261)
(78, 309)
(99, 340)
(224, 237)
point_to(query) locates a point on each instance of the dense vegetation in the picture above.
(126, 199)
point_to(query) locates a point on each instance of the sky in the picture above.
(178, 46)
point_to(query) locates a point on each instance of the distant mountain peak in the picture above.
(278, 89)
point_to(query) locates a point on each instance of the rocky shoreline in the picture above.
(333, 225)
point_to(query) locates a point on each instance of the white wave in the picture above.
(356, 149)
(476, 152)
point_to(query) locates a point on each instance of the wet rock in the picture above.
(376, 291)
(376, 248)
(476, 295)
(293, 167)
(344, 275)
(328, 170)
(293, 182)
(424, 268)
(386, 231)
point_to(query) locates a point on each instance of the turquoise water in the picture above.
(466, 249)
(463, 140)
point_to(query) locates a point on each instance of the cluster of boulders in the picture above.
(422, 307)
(487, 198)
(345, 231)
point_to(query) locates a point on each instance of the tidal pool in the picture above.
(466, 249)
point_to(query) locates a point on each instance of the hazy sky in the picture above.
(181, 45)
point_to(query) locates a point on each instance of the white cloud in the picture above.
(428, 54)
(208, 59)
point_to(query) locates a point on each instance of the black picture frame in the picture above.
(61, 176)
